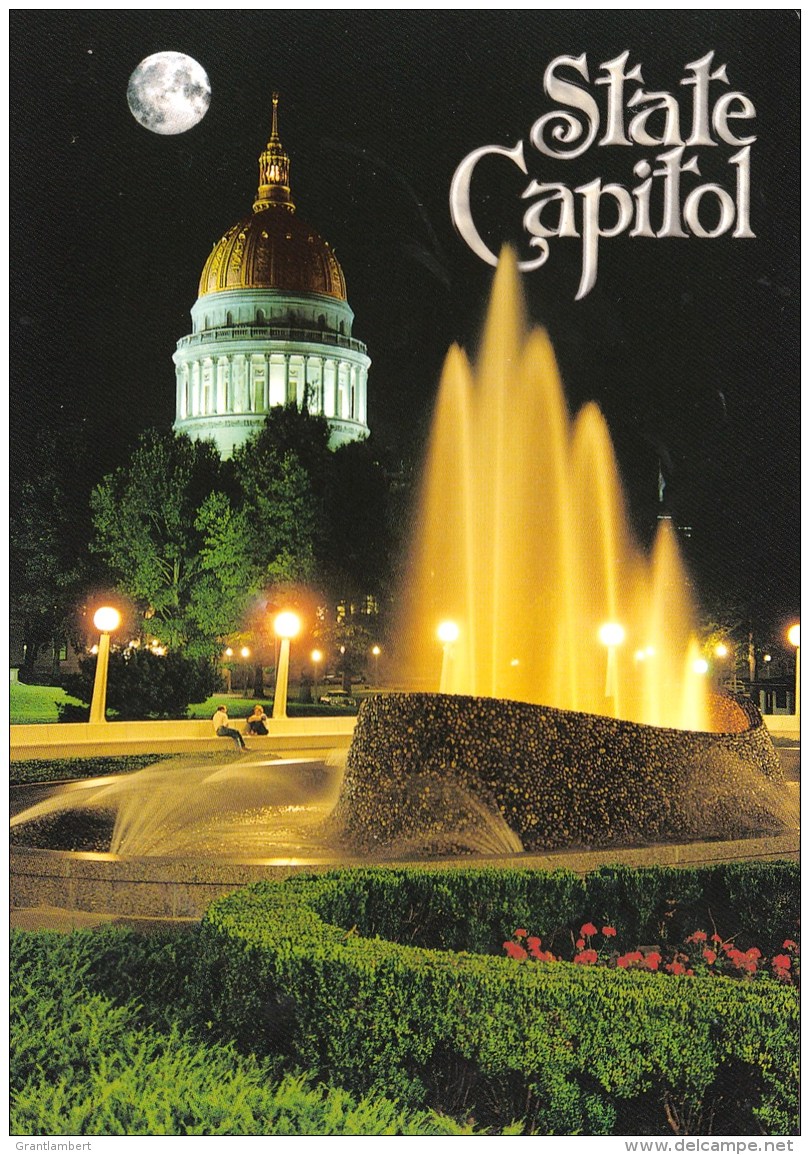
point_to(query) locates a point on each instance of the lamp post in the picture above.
(244, 654)
(229, 670)
(287, 625)
(105, 620)
(611, 635)
(375, 650)
(317, 658)
(793, 638)
(447, 633)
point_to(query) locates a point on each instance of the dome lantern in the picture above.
(274, 171)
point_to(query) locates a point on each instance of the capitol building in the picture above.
(271, 325)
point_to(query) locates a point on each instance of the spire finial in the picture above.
(274, 171)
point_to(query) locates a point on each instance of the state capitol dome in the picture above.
(273, 249)
(271, 325)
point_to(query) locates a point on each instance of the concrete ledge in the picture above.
(53, 740)
(784, 725)
(184, 888)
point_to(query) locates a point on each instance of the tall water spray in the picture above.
(522, 539)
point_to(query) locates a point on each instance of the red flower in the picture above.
(652, 960)
(698, 936)
(629, 959)
(710, 956)
(586, 957)
(514, 950)
(588, 929)
(716, 938)
(676, 968)
(580, 943)
(781, 962)
(789, 944)
(521, 933)
(609, 931)
(534, 943)
(754, 952)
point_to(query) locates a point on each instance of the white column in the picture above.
(195, 388)
(363, 387)
(330, 388)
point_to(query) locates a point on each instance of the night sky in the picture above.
(689, 345)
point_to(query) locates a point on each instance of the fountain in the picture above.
(572, 700)
(572, 715)
(522, 540)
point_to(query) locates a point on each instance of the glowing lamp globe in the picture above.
(721, 650)
(448, 633)
(106, 619)
(611, 634)
(793, 635)
(700, 666)
(317, 656)
(287, 624)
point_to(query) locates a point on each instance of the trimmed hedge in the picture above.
(565, 1049)
(82, 1064)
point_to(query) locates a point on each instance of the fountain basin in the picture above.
(557, 778)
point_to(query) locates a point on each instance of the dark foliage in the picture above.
(142, 684)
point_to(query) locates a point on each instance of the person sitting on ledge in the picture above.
(257, 721)
(223, 730)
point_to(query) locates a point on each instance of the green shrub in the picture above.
(82, 1065)
(476, 909)
(142, 684)
(291, 969)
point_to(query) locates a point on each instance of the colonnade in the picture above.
(254, 382)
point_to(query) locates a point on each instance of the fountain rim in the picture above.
(749, 709)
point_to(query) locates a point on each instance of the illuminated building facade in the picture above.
(271, 325)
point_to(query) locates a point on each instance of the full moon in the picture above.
(169, 93)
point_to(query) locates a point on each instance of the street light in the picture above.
(376, 652)
(317, 658)
(105, 620)
(244, 654)
(793, 638)
(611, 635)
(447, 633)
(287, 625)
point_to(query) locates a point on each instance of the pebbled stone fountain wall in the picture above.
(557, 778)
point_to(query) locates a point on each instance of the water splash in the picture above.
(523, 539)
(244, 808)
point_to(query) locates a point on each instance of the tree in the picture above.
(282, 473)
(47, 570)
(227, 578)
(146, 528)
(357, 538)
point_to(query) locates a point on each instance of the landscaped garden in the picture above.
(375, 1001)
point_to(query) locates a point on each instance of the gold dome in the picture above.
(273, 248)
